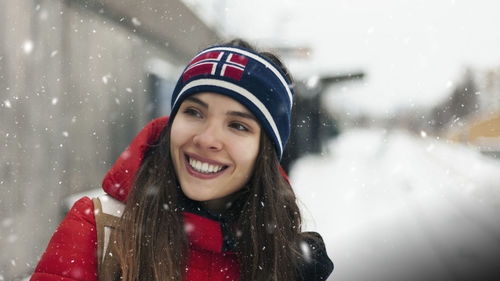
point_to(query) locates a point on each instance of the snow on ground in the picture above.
(393, 206)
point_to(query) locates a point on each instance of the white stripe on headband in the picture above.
(259, 59)
(239, 90)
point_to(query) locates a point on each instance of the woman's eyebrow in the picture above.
(230, 113)
(198, 101)
(242, 114)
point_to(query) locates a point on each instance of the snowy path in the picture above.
(392, 206)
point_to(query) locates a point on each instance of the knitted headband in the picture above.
(246, 76)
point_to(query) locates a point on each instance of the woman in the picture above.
(205, 196)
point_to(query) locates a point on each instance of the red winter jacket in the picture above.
(72, 251)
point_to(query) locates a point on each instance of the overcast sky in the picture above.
(413, 51)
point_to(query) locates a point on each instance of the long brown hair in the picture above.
(270, 221)
(147, 239)
(151, 243)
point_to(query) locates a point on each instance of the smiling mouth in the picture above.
(204, 167)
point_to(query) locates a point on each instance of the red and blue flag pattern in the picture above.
(215, 63)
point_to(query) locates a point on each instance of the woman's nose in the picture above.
(209, 137)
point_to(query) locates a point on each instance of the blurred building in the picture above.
(472, 113)
(78, 79)
(312, 122)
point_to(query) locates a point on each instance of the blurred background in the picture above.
(395, 145)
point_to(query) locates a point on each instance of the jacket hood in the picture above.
(119, 179)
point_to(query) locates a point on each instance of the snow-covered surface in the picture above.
(393, 206)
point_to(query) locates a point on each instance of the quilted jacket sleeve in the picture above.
(72, 251)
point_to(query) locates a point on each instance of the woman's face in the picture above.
(214, 145)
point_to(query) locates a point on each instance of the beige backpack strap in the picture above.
(100, 232)
(104, 225)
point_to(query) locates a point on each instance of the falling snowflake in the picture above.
(188, 227)
(28, 47)
(306, 251)
(125, 155)
(136, 21)
(105, 78)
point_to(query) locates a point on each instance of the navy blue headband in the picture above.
(246, 76)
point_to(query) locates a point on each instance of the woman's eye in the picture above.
(192, 112)
(239, 127)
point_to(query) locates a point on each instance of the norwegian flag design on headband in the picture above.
(215, 63)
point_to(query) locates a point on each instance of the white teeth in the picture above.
(204, 167)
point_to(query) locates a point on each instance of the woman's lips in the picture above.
(204, 168)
